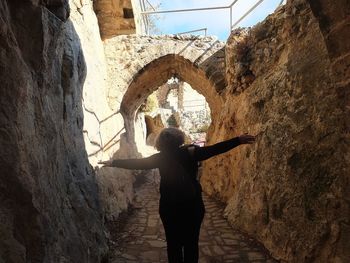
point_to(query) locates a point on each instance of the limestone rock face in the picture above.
(49, 208)
(102, 128)
(115, 17)
(116, 191)
(154, 127)
(60, 8)
(291, 188)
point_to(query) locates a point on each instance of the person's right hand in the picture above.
(246, 139)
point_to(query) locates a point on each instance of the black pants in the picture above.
(182, 224)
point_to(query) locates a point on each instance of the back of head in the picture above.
(169, 139)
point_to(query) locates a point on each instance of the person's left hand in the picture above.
(246, 139)
(106, 163)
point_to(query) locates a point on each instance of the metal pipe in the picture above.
(150, 5)
(247, 13)
(143, 6)
(230, 18)
(202, 29)
(187, 10)
(184, 10)
(144, 18)
(233, 3)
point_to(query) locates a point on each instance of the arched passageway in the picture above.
(131, 60)
(156, 73)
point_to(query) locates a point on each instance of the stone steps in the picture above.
(141, 238)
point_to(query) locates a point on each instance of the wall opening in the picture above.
(175, 104)
(181, 93)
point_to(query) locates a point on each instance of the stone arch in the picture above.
(129, 56)
(156, 73)
(165, 89)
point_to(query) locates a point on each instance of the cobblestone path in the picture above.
(138, 237)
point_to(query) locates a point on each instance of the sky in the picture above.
(216, 21)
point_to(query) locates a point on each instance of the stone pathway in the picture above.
(138, 237)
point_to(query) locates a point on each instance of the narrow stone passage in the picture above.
(138, 237)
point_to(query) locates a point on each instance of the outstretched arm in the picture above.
(203, 153)
(133, 164)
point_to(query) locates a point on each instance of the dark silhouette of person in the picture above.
(181, 211)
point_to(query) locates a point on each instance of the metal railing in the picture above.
(145, 13)
(193, 31)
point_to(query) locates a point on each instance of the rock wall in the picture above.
(102, 128)
(154, 126)
(115, 17)
(290, 189)
(55, 117)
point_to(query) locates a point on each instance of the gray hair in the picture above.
(169, 138)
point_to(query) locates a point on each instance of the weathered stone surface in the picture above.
(290, 189)
(116, 191)
(49, 197)
(115, 17)
(141, 64)
(103, 127)
(334, 22)
(154, 127)
(59, 8)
